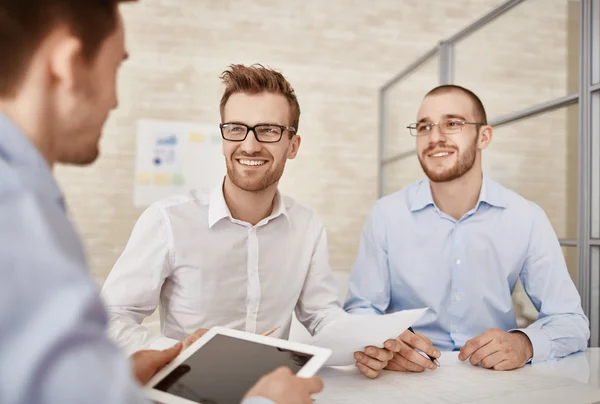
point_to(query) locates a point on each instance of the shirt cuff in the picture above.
(363, 311)
(539, 342)
(162, 343)
(257, 400)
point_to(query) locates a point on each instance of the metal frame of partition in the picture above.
(588, 97)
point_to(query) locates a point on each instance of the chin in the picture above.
(80, 157)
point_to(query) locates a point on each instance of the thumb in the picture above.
(167, 355)
(313, 384)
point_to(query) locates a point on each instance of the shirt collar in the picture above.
(490, 194)
(20, 153)
(218, 209)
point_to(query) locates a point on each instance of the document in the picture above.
(454, 382)
(354, 332)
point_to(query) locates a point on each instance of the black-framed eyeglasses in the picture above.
(448, 126)
(265, 133)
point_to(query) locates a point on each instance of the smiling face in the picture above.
(255, 166)
(446, 157)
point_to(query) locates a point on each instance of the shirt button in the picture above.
(456, 330)
(457, 261)
(458, 296)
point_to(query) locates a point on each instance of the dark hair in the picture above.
(25, 23)
(257, 79)
(480, 114)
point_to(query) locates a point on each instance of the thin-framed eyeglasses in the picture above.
(264, 133)
(447, 126)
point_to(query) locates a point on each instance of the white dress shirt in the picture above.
(203, 268)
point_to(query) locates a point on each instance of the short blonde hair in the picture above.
(256, 79)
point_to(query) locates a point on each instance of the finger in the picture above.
(415, 357)
(313, 384)
(415, 341)
(505, 365)
(393, 345)
(382, 355)
(406, 364)
(493, 359)
(474, 344)
(163, 357)
(394, 366)
(368, 361)
(424, 337)
(483, 352)
(367, 371)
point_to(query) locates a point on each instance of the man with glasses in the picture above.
(242, 256)
(57, 88)
(457, 243)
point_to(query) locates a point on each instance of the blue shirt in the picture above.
(413, 255)
(53, 347)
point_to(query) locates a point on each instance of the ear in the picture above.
(294, 146)
(66, 62)
(485, 137)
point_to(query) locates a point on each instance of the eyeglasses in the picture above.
(446, 126)
(265, 133)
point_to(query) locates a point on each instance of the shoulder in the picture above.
(10, 182)
(516, 204)
(301, 213)
(194, 201)
(399, 202)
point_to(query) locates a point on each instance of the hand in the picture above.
(373, 360)
(407, 359)
(147, 363)
(283, 387)
(193, 337)
(498, 350)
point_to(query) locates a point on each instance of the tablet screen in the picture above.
(225, 368)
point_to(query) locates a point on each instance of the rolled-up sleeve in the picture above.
(132, 290)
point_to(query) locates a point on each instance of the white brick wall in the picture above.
(336, 54)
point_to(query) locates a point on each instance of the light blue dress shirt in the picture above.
(413, 255)
(53, 347)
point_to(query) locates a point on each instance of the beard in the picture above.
(254, 182)
(81, 152)
(464, 162)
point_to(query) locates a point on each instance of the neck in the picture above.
(457, 197)
(246, 206)
(32, 120)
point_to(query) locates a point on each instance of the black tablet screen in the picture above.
(225, 368)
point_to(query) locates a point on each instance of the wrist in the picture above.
(526, 343)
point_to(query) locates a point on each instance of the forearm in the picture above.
(132, 336)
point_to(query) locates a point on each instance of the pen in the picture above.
(271, 331)
(430, 357)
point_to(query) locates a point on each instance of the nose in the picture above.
(436, 135)
(250, 145)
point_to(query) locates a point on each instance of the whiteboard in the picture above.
(173, 157)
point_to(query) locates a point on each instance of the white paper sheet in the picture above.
(453, 382)
(355, 332)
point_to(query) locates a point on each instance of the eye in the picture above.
(422, 127)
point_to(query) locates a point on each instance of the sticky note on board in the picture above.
(196, 137)
(162, 179)
(143, 178)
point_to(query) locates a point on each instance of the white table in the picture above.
(571, 380)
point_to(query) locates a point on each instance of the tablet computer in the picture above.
(222, 365)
